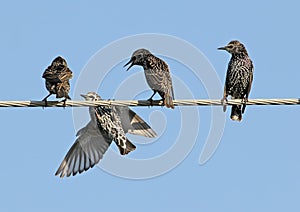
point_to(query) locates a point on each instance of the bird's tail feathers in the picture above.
(129, 147)
(236, 113)
(168, 101)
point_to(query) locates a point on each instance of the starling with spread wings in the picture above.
(107, 124)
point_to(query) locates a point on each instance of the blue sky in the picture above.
(256, 166)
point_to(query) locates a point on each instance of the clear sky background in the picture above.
(255, 168)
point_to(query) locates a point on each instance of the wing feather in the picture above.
(133, 123)
(87, 151)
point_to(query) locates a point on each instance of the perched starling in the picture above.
(57, 77)
(107, 124)
(238, 78)
(157, 75)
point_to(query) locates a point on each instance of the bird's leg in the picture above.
(45, 100)
(162, 94)
(46, 103)
(64, 101)
(150, 99)
(244, 102)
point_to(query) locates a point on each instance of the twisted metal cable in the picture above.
(181, 102)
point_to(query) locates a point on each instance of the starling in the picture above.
(157, 75)
(107, 124)
(238, 78)
(57, 77)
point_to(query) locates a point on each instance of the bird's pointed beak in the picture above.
(83, 95)
(130, 61)
(222, 48)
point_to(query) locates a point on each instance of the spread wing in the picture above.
(87, 151)
(133, 123)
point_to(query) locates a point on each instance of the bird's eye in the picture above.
(230, 47)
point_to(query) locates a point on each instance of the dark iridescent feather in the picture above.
(239, 77)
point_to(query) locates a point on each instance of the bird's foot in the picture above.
(110, 106)
(64, 101)
(45, 103)
(244, 102)
(151, 101)
(224, 102)
(163, 102)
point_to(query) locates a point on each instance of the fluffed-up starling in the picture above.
(238, 78)
(107, 124)
(57, 77)
(157, 74)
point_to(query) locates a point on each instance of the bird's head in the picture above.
(59, 61)
(91, 96)
(234, 47)
(137, 58)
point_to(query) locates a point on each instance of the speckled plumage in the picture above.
(239, 77)
(110, 122)
(107, 124)
(157, 74)
(57, 77)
